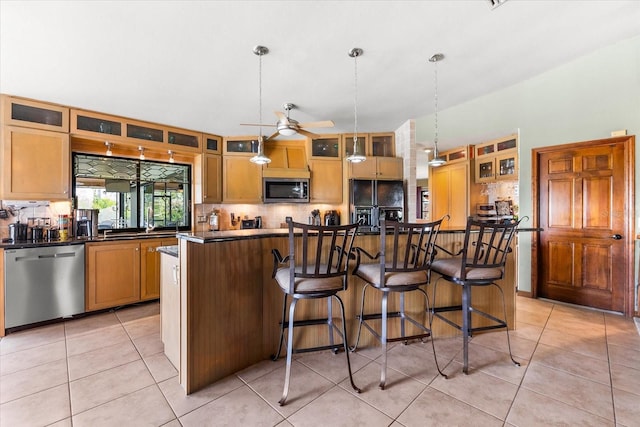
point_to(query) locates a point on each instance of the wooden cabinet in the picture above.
(242, 181)
(212, 178)
(288, 160)
(92, 124)
(377, 168)
(122, 272)
(112, 275)
(449, 194)
(34, 114)
(371, 144)
(497, 160)
(35, 164)
(326, 181)
(325, 147)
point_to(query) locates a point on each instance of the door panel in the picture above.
(582, 202)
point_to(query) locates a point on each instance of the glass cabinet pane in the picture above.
(93, 124)
(182, 139)
(325, 147)
(485, 170)
(348, 145)
(487, 149)
(242, 146)
(212, 144)
(140, 132)
(27, 113)
(506, 145)
(382, 145)
(507, 167)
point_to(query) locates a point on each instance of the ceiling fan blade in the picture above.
(272, 136)
(322, 124)
(280, 115)
(255, 124)
(307, 133)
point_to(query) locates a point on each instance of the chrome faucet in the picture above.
(150, 224)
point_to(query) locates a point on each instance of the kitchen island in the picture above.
(230, 307)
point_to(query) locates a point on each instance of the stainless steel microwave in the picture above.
(285, 190)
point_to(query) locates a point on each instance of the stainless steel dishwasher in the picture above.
(43, 283)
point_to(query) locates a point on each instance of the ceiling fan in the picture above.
(287, 126)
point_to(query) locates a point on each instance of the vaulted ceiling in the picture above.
(190, 63)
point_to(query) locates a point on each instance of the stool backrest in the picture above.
(411, 246)
(486, 245)
(319, 251)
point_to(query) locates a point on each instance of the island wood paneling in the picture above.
(231, 306)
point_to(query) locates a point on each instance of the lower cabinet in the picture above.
(170, 307)
(122, 272)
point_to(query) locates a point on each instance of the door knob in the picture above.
(616, 237)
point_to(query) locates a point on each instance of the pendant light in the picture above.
(436, 160)
(260, 158)
(109, 145)
(355, 157)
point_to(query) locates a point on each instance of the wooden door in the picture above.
(449, 194)
(586, 246)
(212, 191)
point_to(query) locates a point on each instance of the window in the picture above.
(132, 195)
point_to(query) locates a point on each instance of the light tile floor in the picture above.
(579, 367)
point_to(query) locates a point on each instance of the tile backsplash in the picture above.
(273, 215)
(46, 212)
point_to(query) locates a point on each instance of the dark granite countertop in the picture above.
(229, 235)
(81, 241)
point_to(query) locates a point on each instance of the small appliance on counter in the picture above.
(86, 223)
(331, 217)
(251, 223)
(18, 232)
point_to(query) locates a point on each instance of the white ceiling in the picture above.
(190, 63)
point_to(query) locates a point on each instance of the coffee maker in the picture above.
(331, 217)
(86, 223)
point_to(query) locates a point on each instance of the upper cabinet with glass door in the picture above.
(34, 114)
(371, 144)
(325, 147)
(497, 160)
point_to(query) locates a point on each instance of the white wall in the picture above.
(582, 100)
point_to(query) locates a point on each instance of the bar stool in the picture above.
(402, 266)
(480, 262)
(316, 267)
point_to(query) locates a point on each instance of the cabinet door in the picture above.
(212, 182)
(112, 274)
(242, 182)
(170, 307)
(383, 144)
(449, 188)
(458, 195)
(35, 164)
(149, 269)
(389, 167)
(326, 181)
(507, 166)
(485, 169)
(364, 170)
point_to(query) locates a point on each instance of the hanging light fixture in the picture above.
(109, 152)
(260, 158)
(355, 157)
(436, 160)
(171, 159)
(141, 150)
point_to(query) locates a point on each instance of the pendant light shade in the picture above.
(260, 158)
(437, 160)
(355, 157)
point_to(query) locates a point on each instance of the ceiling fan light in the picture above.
(286, 131)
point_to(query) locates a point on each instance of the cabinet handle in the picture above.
(151, 249)
(176, 274)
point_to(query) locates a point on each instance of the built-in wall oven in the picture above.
(43, 283)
